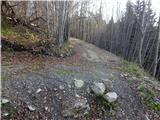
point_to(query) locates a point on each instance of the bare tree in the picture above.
(157, 50)
(143, 30)
(48, 19)
(61, 22)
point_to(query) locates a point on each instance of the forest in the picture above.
(53, 49)
(134, 36)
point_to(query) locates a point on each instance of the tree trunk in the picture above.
(61, 23)
(157, 51)
(48, 26)
(143, 30)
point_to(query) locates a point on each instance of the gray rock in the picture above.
(80, 108)
(78, 83)
(108, 84)
(5, 114)
(111, 96)
(121, 75)
(31, 108)
(98, 88)
(46, 108)
(55, 89)
(78, 96)
(146, 78)
(69, 86)
(126, 75)
(4, 101)
(39, 90)
(61, 55)
(29, 91)
(146, 117)
(61, 87)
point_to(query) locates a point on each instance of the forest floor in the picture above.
(47, 84)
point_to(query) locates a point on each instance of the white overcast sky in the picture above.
(109, 5)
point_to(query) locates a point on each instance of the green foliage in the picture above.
(66, 49)
(10, 109)
(148, 97)
(146, 93)
(132, 69)
(18, 33)
(2, 77)
(105, 104)
(7, 29)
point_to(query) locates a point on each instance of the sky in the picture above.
(111, 5)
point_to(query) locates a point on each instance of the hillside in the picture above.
(43, 87)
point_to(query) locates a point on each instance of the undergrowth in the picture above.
(132, 69)
(19, 33)
(148, 96)
(108, 106)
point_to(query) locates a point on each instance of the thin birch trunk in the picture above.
(157, 50)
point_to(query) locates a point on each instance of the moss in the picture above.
(19, 33)
(132, 69)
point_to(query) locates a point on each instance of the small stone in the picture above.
(121, 75)
(61, 55)
(80, 108)
(145, 77)
(61, 87)
(31, 108)
(29, 91)
(111, 75)
(46, 108)
(125, 75)
(68, 113)
(78, 83)
(5, 114)
(78, 96)
(134, 78)
(111, 96)
(60, 98)
(39, 90)
(156, 100)
(98, 88)
(4, 101)
(146, 117)
(55, 89)
(69, 86)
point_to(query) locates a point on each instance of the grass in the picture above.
(132, 69)
(148, 97)
(107, 107)
(61, 71)
(2, 77)
(10, 110)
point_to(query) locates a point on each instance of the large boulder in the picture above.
(98, 88)
(111, 96)
(78, 83)
(108, 84)
(79, 109)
